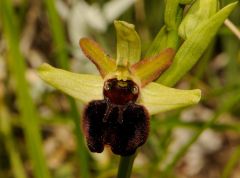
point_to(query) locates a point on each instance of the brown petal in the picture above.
(149, 69)
(96, 54)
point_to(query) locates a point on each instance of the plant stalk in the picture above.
(125, 166)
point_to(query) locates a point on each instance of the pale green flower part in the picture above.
(155, 97)
(128, 44)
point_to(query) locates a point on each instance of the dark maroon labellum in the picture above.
(116, 120)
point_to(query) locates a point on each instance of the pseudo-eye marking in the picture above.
(116, 121)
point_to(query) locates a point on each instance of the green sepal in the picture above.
(80, 86)
(155, 97)
(158, 98)
(128, 44)
(97, 55)
(192, 49)
(149, 69)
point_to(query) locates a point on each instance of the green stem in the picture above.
(125, 166)
(6, 129)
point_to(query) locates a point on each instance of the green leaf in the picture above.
(128, 44)
(149, 69)
(158, 98)
(97, 55)
(192, 49)
(81, 86)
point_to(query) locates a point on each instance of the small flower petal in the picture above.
(81, 86)
(158, 98)
(97, 55)
(149, 69)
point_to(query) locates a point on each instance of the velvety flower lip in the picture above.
(155, 97)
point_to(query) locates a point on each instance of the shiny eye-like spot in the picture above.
(107, 86)
(134, 90)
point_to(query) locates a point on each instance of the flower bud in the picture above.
(200, 11)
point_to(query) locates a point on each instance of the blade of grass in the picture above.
(59, 41)
(168, 124)
(62, 60)
(182, 151)
(202, 65)
(162, 151)
(16, 162)
(171, 123)
(228, 169)
(25, 103)
(231, 46)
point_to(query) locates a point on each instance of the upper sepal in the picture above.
(97, 55)
(158, 98)
(128, 44)
(81, 86)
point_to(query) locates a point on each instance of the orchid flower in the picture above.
(119, 102)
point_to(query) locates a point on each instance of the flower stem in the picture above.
(125, 166)
(232, 27)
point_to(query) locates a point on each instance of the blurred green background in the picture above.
(40, 132)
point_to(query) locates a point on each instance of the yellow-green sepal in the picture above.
(128, 44)
(80, 86)
(158, 98)
(97, 55)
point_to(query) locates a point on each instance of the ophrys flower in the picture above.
(118, 103)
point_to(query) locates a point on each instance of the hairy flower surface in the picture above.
(119, 102)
